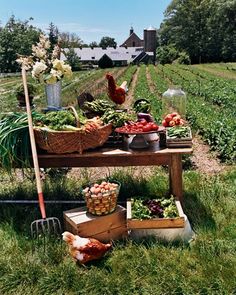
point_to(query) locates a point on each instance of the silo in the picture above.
(150, 40)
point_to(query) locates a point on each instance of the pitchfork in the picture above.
(46, 226)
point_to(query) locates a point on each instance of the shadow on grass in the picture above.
(21, 216)
(199, 215)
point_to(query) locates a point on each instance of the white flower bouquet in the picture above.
(44, 63)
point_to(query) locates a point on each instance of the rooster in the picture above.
(85, 249)
(116, 93)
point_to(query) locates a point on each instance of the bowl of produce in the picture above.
(101, 199)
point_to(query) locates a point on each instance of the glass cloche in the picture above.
(174, 100)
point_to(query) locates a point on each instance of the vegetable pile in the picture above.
(64, 120)
(178, 132)
(138, 127)
(173, 119)
(108, 112)
(154, 208)
(59, 120)
(116, 118)
(98, 106)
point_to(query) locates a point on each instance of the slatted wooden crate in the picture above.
(179, 142)
(104, 228)
(155, 223)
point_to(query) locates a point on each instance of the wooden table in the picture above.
(112, 157)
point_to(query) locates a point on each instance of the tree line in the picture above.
(198, 31)
(17, 37)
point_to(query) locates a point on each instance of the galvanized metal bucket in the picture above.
(53, 95)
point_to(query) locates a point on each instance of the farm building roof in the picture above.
(115, 54)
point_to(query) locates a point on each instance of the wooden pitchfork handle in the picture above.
(33, 147)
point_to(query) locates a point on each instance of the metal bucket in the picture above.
(53, 95)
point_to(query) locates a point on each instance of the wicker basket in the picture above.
(61, 142)
(102, 203)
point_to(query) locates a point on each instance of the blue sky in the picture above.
(90, 19)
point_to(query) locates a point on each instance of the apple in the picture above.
(172, 123)
(164, 123)
(168, 118)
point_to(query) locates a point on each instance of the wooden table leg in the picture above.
(175, 176)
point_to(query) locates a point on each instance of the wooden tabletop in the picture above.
(153, 155)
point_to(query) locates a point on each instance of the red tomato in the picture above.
(139, 125)
(147, 128)
(143, 122)
(154, 126)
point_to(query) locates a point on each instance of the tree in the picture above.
(72, 59)
(16, 37)
(107, 42)
(93, 44)
(53, 34)
(204, 29)
(70, 40)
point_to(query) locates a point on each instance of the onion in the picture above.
(145, 116)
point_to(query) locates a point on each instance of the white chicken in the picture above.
(85, 249)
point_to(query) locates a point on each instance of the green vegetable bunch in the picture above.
(99, 106)
(58, 120)
(14, 140)
(140, 211)
(117, 118)
(142, 106)
(178, 132)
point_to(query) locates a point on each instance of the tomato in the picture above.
(154, 126)
(143, 122)
(147, 128)
(139, 125)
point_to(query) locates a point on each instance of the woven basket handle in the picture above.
(75, 114)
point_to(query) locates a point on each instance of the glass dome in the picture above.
(174, 100)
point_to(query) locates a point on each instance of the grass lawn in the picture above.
(148, 266)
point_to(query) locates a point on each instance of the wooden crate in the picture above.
(179, 142)
(104, 228)
(155, 223)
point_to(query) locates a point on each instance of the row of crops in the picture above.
(210, 108)
(142, 91)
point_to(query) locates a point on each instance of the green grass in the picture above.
(148, 266)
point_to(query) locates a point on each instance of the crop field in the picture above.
(206, 265)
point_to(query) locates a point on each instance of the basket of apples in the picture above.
(173, 119)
